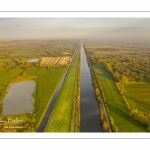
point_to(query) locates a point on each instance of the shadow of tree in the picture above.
(124, 114)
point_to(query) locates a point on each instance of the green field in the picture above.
(14, 54)
(6, 76)
(14, 68)
(60, 119)
(138, 95)
(110, 46)
(46, 80)
(46, 84)
(115, 104)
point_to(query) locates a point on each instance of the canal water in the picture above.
(50, 108)
(90, 118)
(19, 98)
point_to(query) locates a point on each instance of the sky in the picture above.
(70, 28)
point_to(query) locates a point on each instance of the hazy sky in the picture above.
(16, 28)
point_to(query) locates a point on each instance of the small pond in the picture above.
(32, 60)
(19, 98)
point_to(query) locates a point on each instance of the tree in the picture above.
(116, 75)
(137, 115)
(124, 79)
(105, 126)
(114, 127)
(1, 108)
(97, 92)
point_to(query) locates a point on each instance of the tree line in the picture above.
(126, 68)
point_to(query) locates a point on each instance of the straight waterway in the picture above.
(90, 115)
(90, 119)
(52, 103)
(50, 108)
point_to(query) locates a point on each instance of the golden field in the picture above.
(54, 61)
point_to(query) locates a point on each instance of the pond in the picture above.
(19, 98)
(32, 60)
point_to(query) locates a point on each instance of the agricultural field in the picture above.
(63, 112)
(46, 84)
(15, 53)
(54, 61)
(138, 95)
(115, 103)
(14, 67)
(110, 49)
(123, 69)
(111, 53)
(46, 81)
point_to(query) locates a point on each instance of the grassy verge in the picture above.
(46, 84)
(63, 115)
(77, 108)
(115, 104)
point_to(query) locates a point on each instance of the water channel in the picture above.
(50, 108)
(90, 118)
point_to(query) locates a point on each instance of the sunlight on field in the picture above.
(54, 61)
(138, 95)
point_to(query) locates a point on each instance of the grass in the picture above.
(115, 104)
(138, 95)
(6, 77)
(46, 84)
(60, 119)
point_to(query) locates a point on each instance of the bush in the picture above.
(97, 92)
(105, 126)
(137, 115)
(148, 128)
(113, 126)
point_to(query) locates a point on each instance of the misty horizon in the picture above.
(128, 29)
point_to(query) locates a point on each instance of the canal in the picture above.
(90, 118)
(53, 101)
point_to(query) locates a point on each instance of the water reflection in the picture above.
(90, 121)
(19, 98)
